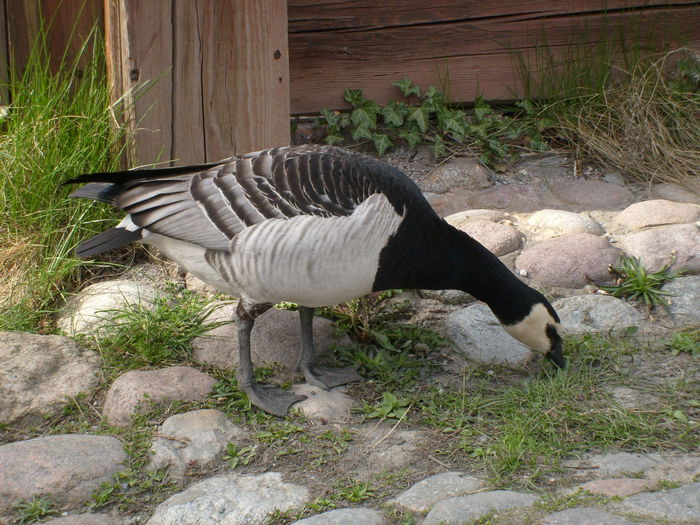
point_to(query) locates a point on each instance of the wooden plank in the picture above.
(22, 26)
(188, 116)
(466, 57)
(141, 57)
(245, 76)
(4, 58)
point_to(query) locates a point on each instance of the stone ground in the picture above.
(558, 230)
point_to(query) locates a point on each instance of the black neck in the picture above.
(431, 254)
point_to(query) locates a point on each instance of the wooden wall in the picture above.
(465, 47)
(207, 78)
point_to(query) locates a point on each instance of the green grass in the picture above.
(161, 334)
(58, 125)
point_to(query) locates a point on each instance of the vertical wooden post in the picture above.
(212, 77)
(4, 57)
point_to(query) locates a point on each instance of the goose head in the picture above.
(540, 330)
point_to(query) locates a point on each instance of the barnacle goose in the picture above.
(315, 225)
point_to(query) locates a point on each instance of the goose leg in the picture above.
(269, 398)
(321, 377)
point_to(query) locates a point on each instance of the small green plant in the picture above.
(140, 335)
(240, 456)
(635, 283)
(278, 432)
(33, 509)
(391, 407)
(688, 342)
(356, 491)
(425, 116)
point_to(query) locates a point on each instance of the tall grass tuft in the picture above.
(58, 124)
(619, 101)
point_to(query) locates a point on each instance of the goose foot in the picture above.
(327, 378)
(271, 399)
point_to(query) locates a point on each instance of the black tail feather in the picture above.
(98, 191)
(121, 177)
(105, 241)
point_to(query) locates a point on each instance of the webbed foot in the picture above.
(326, 378)
(271, 399)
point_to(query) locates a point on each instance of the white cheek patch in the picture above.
(532, 330)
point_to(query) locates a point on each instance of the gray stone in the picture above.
(592, 195)
(585, 516)
(133, 392)
(193, 438)
(382, 448)
(546, 224)
(88, 518)
(41, 373)
(511, 197)
(633, 398)
(477, 334)
(357, 516)
(230, 500)
(657, 213)
(323, 406)
(452, 297)
(657, 247)
(449, 203)
(679, 468)
(569, 261)
(582, 314)
(424, 494)
(461, 218)
(458, 510)
(457, 172)
(682, 503)
(90, 312)
(684, 299)
(276, 338)
(499, 239)
(67, 467)
(614, 464)
(673, 192)
(618, 487)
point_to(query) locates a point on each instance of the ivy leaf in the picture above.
(545, 122)
(481, 109)
(381, 143)
(361, 132)
(411, 136)
(407, 87)
(394, 113)
(527, 106)
(354, 96)
(420, 116)
(333, 138)
(365, 115)
(478, 130)
(454, 123)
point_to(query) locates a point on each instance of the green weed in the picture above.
(688, 342)
(34, 509)
(240, 456)
(390, 407)
(635, 283)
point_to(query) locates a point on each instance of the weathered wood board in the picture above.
(465, 47)
(204, 79)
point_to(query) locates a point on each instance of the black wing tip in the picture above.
(105, 241)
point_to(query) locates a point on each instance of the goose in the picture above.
(314, 225)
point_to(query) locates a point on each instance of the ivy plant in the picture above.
(426, 117)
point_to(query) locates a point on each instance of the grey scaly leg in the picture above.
(269, 398)
(321, 377)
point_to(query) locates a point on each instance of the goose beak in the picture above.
(556, 355)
